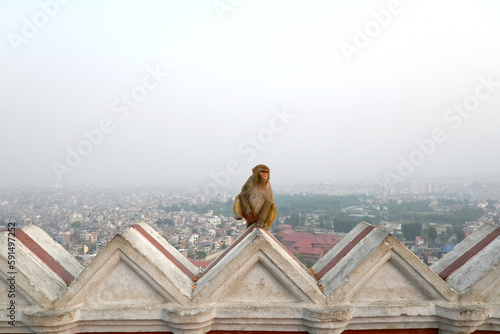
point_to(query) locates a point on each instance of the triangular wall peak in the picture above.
(369, 254)
(260, 268)
(140, 283)
(472, 268)
(158, 268)
(40, 266)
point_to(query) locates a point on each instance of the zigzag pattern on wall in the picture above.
(139, 283)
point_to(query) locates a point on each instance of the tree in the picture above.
(166, 221)
(411, 230)
(343, 223)
(459, 233)
(294, 220)
(490, 204)
(432, 232)
(76, 224)
(460, 236)
(200, 255)
(322, 221)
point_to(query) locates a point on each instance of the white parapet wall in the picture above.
(140, 283)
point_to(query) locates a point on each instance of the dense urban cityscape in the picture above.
(429, 217)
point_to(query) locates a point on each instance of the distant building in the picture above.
(92, 237)
(201, 265)
(312, 247)
(447, 248)
(419, 241)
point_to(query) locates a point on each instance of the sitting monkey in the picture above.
(255, 202)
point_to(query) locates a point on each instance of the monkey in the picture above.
(255, 201)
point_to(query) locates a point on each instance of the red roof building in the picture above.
(202, 265)
(312, 247)
(294, 237)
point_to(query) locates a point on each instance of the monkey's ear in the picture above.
(253, 170)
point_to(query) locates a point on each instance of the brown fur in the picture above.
(255, 202)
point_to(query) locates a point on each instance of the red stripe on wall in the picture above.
(469, 254)
(394, 331)
(345, 251)
(286, 250)
(253, 332)
(128, 333)
(376, 331)
(44, 256)
(247, 232)
(162, 249)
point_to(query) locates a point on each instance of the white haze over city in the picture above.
(127, 92)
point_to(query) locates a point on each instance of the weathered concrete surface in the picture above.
(140, 283)
(36, 281)
(258, 270)
(54, 249)
(169, 248)
(473, 265)
(341, 245)
(346, 265)
(372, 265)
(130, 271)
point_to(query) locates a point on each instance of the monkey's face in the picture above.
(261, 173)
(264, 175)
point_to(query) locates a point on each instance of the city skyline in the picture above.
(162, 92)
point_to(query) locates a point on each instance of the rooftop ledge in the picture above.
(140, 283)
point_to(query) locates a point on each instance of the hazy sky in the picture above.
(202, 90)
